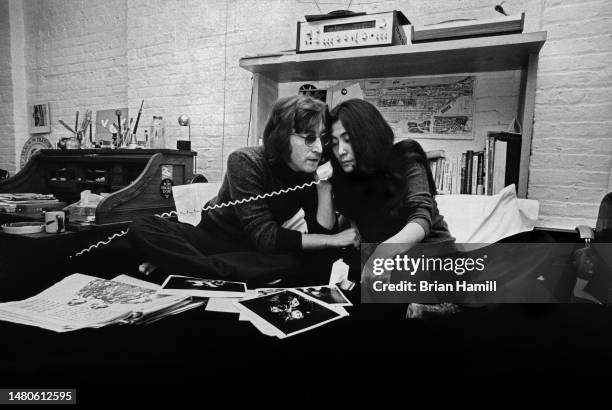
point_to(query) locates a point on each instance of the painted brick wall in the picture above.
(7, 130)
(572, 144)
(76, 57)
(182, 57)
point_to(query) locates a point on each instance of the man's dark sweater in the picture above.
(250, 173)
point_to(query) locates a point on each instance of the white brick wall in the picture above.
(182, 57)
(7, 128)
(572, 142)
(76, 57)
(18, 72)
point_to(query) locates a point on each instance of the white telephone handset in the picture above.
(325, 171)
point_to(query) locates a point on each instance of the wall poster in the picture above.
(432, 107)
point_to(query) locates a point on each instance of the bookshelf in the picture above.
(475, 55)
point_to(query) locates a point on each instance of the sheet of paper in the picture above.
(339, 272)
(224, 305)
(345, 91)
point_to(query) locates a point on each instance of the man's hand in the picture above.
(346, 238)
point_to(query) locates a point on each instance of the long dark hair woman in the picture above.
(387, 190)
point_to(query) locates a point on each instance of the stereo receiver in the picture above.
(352, 31)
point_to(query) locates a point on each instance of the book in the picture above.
(480, 176)
(463, 173)
(40, 206)
(499, 166)
(475, 167)
(469, 169)
(490, 157)
(439, 172)
(506, 162)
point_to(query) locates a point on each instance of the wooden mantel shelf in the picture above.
(492, 53)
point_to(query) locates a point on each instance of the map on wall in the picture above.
(434, 107)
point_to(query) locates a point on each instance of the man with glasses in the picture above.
(252, 241)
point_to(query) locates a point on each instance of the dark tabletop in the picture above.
(198, 347)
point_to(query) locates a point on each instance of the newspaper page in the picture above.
(80, 301)
(161, 306)
(75, 302)
(157, 302)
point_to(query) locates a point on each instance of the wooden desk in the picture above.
(137, 180)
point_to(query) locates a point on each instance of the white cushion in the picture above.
(481, 219)
(189, 200)
(476, 219)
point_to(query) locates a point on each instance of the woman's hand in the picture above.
(376, 260)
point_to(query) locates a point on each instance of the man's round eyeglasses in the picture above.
(310, 139)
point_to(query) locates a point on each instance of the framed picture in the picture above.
(106, 123)
(40, 119)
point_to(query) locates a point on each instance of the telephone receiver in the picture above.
(325, 171)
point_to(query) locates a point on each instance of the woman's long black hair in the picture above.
(371, 139)
(370, 136)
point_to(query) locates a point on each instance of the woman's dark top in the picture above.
(383, 202)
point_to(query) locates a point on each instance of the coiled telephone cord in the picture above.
(205, 208)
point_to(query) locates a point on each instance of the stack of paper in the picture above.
(25, 197)
(82, 301)
(12, 202)
(161, 306)
(284, 312)
(7, 206)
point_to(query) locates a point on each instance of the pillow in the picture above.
(191, 197)
(484, 219)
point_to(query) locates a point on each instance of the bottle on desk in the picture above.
(157, 134)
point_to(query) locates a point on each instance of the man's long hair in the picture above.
(298, 114)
